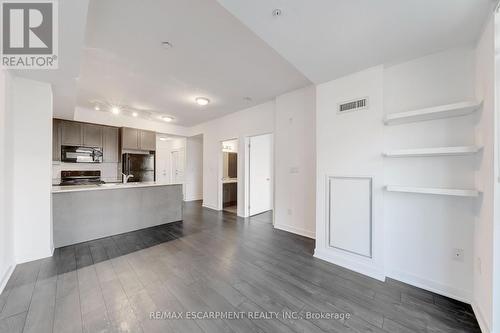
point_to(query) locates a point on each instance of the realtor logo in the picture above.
(29, 34)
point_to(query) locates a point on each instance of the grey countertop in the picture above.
(107, 186)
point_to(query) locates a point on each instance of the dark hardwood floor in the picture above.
(210, 263)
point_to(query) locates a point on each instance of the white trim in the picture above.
(329, 179)
(6, 277)
(483, 325)
(433, 286)
(295, 230)
(362, 268)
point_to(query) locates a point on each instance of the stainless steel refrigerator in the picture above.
(142, 166)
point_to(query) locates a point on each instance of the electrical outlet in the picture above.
(458, 254)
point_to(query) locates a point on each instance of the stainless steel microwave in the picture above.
(75, 154)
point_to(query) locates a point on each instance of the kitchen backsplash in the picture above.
(110, 172)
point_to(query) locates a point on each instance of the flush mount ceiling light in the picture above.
(97, 107)
(115, 110)
(202, 101)
(167, 119)
(135, 114)
(166, 45)
(164, 138)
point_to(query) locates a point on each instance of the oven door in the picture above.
(72, 154)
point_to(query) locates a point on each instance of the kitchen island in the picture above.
(87, 212)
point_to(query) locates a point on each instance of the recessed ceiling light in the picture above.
(115, 110)
(97, 108)
(277, 12)
(167, 119)
(202, 101)
(135, 114)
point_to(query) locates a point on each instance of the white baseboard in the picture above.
(298, 231)
(430, 285)
(6, 276)
(209, 206)
(480, 318)
(31, 257)
(195, 198)
(359, 267)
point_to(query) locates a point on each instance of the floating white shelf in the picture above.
(439, 151)
(437, 112)
(433, 190)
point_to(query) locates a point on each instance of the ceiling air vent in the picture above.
(355, 105)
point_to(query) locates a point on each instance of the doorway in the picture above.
(260, 166)
(230, 176)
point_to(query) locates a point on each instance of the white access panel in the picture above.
(350, 214)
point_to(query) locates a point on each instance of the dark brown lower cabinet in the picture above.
(230, 194)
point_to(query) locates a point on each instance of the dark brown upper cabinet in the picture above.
(135, 139)
(92, 135)
(111, 142)
(130, 138)
(147, 140)
(56, 140)
(71, 133)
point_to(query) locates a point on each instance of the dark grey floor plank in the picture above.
(40, 318)
(18, 300)
(83, 256)
(213, 261)
(13, 324)
(67, 313)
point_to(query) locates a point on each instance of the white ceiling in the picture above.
(213, 55)
(72, 20)
(227, 50)
(326, 39)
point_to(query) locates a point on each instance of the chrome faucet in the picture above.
(125, 178)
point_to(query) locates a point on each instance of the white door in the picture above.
(261, 170)
(178, 166)
(162, 152)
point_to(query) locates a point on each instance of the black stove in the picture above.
(81, 177)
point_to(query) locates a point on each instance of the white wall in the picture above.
(295, 162)
(414, 236)
(194, 168)
(239, 125)
(422, 231)
(484, 227)
(31, 123)
(7, 260)
(350, 144)
(230, 146)
(109, 119)
(496, 240)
